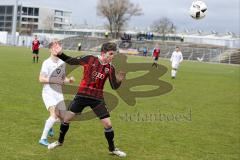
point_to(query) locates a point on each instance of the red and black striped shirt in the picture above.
(156, 52)
(95, 75)
(35, 45)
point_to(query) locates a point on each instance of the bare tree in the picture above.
(117, 13)
(163, 26)
(49, 22)
(29, 27)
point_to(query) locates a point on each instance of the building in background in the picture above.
(30, 18)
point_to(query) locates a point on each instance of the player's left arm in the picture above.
(116, 79)
(181, 57)
(57, 51)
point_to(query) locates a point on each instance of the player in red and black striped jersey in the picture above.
(156, 54)
(90, 92)
(95, 74)
(35, 49)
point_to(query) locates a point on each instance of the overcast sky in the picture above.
(222, 15)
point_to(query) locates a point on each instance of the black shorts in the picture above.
(97, 105)
(35, 51)
(156, 58)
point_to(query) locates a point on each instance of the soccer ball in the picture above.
(198, 9)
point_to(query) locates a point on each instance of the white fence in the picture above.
(226, 41)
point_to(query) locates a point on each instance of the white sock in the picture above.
(48, 125)
(173, 73)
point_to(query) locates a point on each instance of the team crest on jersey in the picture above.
(58, 70)
(106, 70)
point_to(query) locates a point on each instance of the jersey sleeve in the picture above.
(112, 78)
(44, 69)
(74, 60)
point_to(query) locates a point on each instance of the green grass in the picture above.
(210, 91)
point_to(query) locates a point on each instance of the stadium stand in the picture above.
(191, 51)
(231, 56)
(88, 43)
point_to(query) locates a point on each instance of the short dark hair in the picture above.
(109, 46)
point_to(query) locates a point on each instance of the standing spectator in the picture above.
(23, 42)
(35, 49)
(182, 38)
(106, 34)
(79, 46)
(145, 50)
(151, 36)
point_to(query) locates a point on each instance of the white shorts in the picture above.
(53, 99)
(175, 65)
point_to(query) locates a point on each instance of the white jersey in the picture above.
(52, 93)
(176, 58)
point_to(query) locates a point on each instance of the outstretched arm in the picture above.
(69, 60)
(57, 51)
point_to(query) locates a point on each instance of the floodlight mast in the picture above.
(14, 23)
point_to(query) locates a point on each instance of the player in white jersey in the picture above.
(52, 76)
(176, 59)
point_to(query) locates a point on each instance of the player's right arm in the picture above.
(73, 61)
(69, 60)
(44, 79)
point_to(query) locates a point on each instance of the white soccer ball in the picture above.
(198, 9)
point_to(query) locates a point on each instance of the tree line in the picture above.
(119, 12)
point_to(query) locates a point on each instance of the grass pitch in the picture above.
(205, 97)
